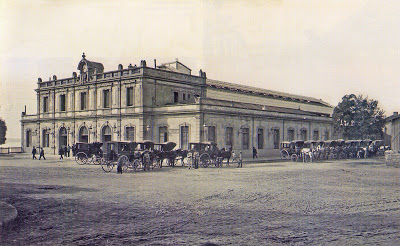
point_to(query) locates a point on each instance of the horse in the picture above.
(224, 154)
(307, 152)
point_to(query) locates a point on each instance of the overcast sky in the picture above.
(319, 48)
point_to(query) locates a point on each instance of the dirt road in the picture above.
(354, 202)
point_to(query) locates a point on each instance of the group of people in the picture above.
(41, 153)
(239, 161)
(64, 151)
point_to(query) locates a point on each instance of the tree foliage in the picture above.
(3, 130)
(356, 117)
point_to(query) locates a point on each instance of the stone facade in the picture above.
(168, 103)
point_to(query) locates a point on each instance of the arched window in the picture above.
(106, 134)
(83, 135)
(62, 137)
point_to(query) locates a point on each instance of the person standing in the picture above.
(196, 159)
(34, 153)
(41, 154)
(68, 150)
(61, 152)
(233, 156)
(255, 153)
(240, 162)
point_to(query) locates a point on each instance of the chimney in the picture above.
(395, 113)
(155, 63)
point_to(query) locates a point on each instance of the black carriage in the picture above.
(205, 153)
(340, 149)
(88, 153)
(164, 151)
(145, 156)
(291, 150)
(351, 148)
(118, 153)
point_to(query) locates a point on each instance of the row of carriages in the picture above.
(147, 155)
(309, 151)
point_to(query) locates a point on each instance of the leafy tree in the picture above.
(3, 130)
(356, 117)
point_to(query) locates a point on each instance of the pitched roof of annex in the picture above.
(264, 92)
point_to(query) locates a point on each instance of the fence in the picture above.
(10, 150)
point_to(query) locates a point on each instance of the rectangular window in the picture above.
(28, 138)
(45, 137)
(245, 138)
(83, 101)
(184, 97)
(326, 135)
(106, 98)
(290, 135)
(163, 134)
(184, 137)
(129, 96)
(229, 137)
(260, 138)
(62, 102)
(316, 135)
(176, 97)
(130, 134)
(45, 104)
(303, 134)
(211, 134)
(277, 138)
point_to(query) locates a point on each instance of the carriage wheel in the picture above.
(285, 155)
(154, 163)
(136, 165)
(293, 158)
(107, 166)
(81, 158)
(205, 160)
(342, 155)
(123, 160)
(307, 158)
(96, 159)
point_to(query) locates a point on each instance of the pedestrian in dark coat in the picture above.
(34, 153)
(41, 154)
(61, 152)
(255, 153)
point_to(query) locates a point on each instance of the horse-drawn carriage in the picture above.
(164, 151)
(291, 150)
(206, 153)
(88, 153)
(122, 153)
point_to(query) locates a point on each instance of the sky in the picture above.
(322, 49)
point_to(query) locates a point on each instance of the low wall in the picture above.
(392, 159)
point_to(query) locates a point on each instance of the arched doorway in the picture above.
(106, 134)
(62, 137)
(83, 135)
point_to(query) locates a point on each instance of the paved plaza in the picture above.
(352, 202)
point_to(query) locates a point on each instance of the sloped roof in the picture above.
(223, 103)
(264, 92)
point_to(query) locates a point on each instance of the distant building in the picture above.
(168, 103)
(391, 131)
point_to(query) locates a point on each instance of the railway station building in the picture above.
(168, 103)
